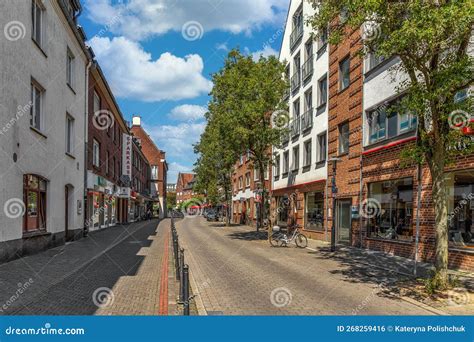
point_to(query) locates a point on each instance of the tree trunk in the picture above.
(228, 200)
(262, 198)
(436, 165)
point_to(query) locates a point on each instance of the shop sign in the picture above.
(127, 156)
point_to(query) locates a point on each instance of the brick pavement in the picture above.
(125, 259)
(238, 273)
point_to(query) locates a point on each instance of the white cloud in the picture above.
(133, 73)
(187, 113)
(177, 140)
(141, 19)
(267, 51)
(175, 168)
(222, 46)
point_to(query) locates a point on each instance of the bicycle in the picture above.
(279, 239)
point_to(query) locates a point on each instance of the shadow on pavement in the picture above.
(249, 236)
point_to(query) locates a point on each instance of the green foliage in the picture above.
(436, 282)
(171, 200)
(245, 95)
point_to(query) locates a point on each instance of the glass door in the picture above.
(343, 221)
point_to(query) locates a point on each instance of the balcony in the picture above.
(295, 127)
(307, 69)
(296, 35)
(307, 120)
(295, 81)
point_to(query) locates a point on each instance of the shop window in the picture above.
(389, 209)
(314, 211)
(34, 193)
(283, 208)
(460, 190)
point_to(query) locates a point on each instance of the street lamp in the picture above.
(334, 161)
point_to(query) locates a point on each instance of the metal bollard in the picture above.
(176, 256)
(186, 290)
(180, 273)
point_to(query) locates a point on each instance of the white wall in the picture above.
(20, 61)
(320, 122)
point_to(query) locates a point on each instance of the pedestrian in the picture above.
(148, 214)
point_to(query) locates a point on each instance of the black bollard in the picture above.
(180, 275)
(186, 289)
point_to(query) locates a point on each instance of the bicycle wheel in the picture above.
(275, 240)
(301, 241)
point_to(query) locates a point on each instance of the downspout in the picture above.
(86, 133)
(361, 186)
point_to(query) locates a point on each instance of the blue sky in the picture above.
(158, 56)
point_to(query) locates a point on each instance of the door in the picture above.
(343, 221)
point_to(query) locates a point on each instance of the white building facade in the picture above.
(300, 171)
(42, 117)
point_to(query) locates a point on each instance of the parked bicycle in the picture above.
(280, 239)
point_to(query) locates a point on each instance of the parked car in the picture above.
(212, 216)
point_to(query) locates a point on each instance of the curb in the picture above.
(424, 306)
(198, 300)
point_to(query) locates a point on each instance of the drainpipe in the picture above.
(360, 202)
(418, 205)
(86, 133)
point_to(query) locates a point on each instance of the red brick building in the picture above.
(140, 200)
(107, 196)
(246, 192)
(184, 189)
(158, 166)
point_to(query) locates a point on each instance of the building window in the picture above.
(154, 172)
(344, 138)
(322, 38)
(286, 162)
(69, 135)
(70, 68)
(241, 159)
(344, 73)
(308, 100)
(96, 102)
(314, 211)
(34, 194)
(241, 180)
(37, 22)
(390, 205)
(372, 60)
(283, 204)
(386, 122)
(322, 91)
(307, 153)
(296, 158)
(277, 166)
(460, 190)
(96, 153)
(36, 110)
(247, 180)
(322, 148)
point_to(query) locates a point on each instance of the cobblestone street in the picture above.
(75, 279)
(238, 273)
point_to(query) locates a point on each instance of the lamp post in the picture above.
(333, 194)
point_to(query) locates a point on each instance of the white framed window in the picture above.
(372, 60)
(70, 64)
(344, 73)
(322, 148)
(344, 138)
(247, 180)
(322, 37)
(286, 162)
(307, 153)
(154, 172)
(323, 90)
(241, 180)
(96, 102)
(277, 166)
(96, 153)
(36, 110)
(69, 134)
(37, 16)
(296, 158)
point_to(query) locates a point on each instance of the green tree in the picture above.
(431, 39)
(246, 98)
(171, 200)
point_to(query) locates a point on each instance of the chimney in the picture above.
(136, 120)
